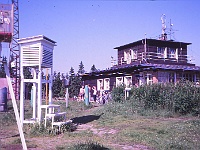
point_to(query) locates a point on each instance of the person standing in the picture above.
(89, 89)
(94, 93)
(82, 93)
(101, 93)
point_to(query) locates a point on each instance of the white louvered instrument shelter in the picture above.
(36, 53)
(37, 50)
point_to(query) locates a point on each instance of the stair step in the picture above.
(60, 123)
(56, 114)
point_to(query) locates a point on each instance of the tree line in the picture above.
(59, 81)
(74, 80)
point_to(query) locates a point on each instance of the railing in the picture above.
(153, 56)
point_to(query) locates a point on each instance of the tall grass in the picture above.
(182, 98)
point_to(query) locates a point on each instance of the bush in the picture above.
(156, 100)
(88, 146)
(118, 93)
(7, 118)
(187, 98)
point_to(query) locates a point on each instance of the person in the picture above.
(94, 93)
(82, 93)
(101, 93)
(89, 89)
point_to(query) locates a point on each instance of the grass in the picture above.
(116, 128)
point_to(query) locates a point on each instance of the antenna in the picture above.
(164, 35)
(14, 49)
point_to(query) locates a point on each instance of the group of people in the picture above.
(93, 93)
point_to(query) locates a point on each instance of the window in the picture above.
(141, 78)
(145, 78)
(128, 81)
(107, 84)
(162, 77)
(162, 52)
(171, 77)
(127, 56)
(149, 79)
(189, 77)
(99, 84)
(173, 53)
(197, 78)
(119, 81)
(133, 54)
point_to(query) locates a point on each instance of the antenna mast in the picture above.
(163, 35)
(171, 24)
(14, 50)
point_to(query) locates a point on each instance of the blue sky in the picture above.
(88, 31)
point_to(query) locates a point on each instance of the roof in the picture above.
(154, 42)
(130, 69)
(36, 38)
(174, 67)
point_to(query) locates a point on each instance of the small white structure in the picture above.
(37, 53)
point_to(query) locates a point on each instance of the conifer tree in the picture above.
(71, 72)
(81, 68)
(75, 83)
(57, 84)
(93, 68)
(2, 70)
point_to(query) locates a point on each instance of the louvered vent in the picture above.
(47, 58)
(30, 56)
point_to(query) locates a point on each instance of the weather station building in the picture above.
(147, 61)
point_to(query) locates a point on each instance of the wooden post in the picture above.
(22, 88)
(34, 95)
(47, 101)
(67, 97)
(15, 107)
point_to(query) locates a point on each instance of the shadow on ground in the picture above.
(85, 119)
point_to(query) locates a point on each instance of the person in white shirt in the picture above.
(94, 93)
(82, 93)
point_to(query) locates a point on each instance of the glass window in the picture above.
(127, 56)
(189, 77)
(134, 54)
(149, 79)
(171, 77)
(119, 81)
(172, 53)
(107, 84)
(162, 77)
(128, 81)
(162, 52)
(99, 84)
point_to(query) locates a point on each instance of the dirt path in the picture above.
(101, 132)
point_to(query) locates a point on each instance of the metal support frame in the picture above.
(14, 50)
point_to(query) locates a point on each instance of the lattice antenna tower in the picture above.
(14, 50)
(163, 35)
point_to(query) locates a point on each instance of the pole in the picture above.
(46, 87)
(86, 98)
(15, 107)
(67, 97)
